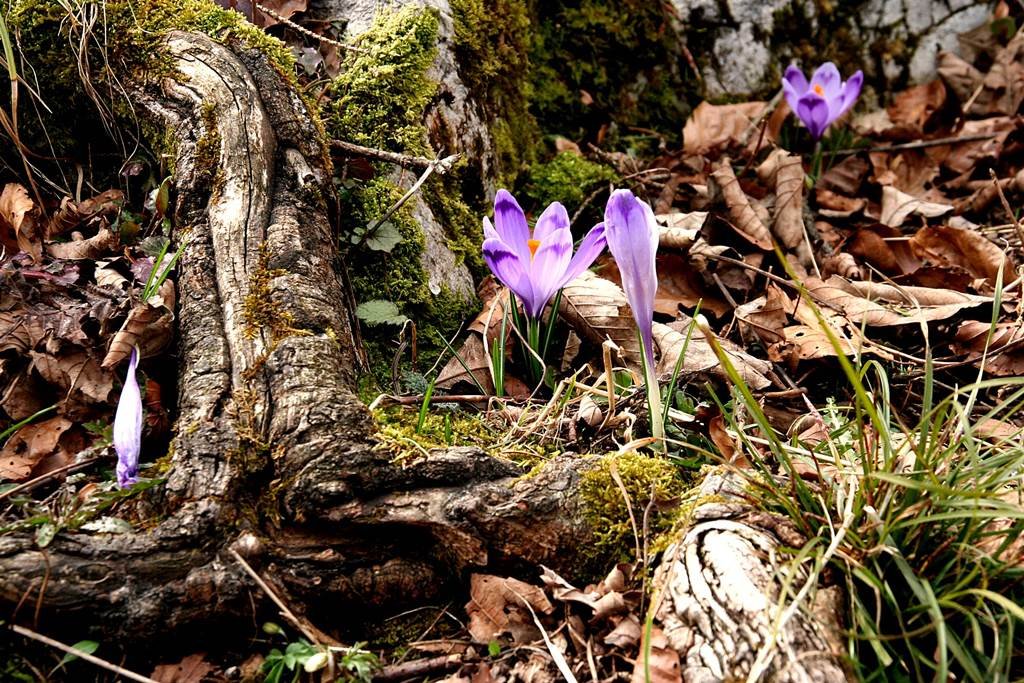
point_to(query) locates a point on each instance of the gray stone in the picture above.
(750, 48)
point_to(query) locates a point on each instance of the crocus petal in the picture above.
(814, 112)
(632, 236)
(489, 232)
(509, 269)
(128, 426)
(548, 268)
(590, 248)
(849, 95)
(510, 223)
(794, 85)
(555, 217)
(828, 79)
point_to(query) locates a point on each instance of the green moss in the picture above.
(379, 98)
(259, 310)
(605, 508)
(492, 47)
(130, 32)
(441, 428)
(623, 55)
(568, 178)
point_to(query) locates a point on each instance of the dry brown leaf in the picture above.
(964, 157)
(149, 328)
(841, 264)
(911, 171)
(884, 248)
(473, 356)
(597, 309)
(717, 128)
(679, 284)
(833, 205)
(39, 448)
(496, 607)
(660, 659)
(18, 223)
(898, 206)
(766, 316)
(724, 187)
(78, 377)
(191, 669)
(881, 305)
(959, 248)
(701, 358)
(725, 444)
(72, 214)
(846, 177)
(916, 106)
(103, 243)
(626, 634)
(679, 230)
(1005, 357)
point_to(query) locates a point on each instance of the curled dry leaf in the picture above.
(77, 376)
(724, 186)
(833, 205)
(679, 285)
(881, 305)
(496, 607)
(898, 206)
(597, 309)
(679, 230)
(958, 248)
(701, 358)
(38, 448)
(716, 128)
(766, 316)
(1005, 354)
(915, 107)
(18, 223)
(660, 659)
(149, 326)
(103, 243)
(72, 214)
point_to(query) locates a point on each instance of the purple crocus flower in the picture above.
(128, 426)
(632, 235)
(824, 99)
(536, 266)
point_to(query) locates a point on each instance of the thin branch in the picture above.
(287, 613)
(441, 166)
(306, 32)
(919, 144)
(92, 659)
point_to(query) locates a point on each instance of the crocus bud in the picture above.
(128, 426)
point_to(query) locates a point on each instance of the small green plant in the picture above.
(352, 664)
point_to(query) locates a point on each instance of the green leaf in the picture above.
(45, 534)
(272, 629)
(494, 648)
(84, 646)
(380, 312)
(163, 197)
(383, 237)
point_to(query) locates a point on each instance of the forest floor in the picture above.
(862, 370)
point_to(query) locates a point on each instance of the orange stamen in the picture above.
(533, 244)
(819, 90)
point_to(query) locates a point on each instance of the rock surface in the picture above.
(740, 46)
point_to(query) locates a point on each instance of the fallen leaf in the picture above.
(1005, 347)
(915, 107)
(103, 243)
(881, 305)
(898, 206)
(966, 249)
(724, 187)
(191, 669)
(717, 128)
(72, 214)
(767, 315)
(679, 285)
(18, 226)
(660, 659)
(496, 607)
(38, 448)
(701, 358)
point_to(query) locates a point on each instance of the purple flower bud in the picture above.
(536, 266)
(632, 235)
(827, 97)
(128, 426)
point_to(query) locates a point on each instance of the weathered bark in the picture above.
(271, 441)
(720, 597)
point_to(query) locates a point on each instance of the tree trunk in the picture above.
(272, 445)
